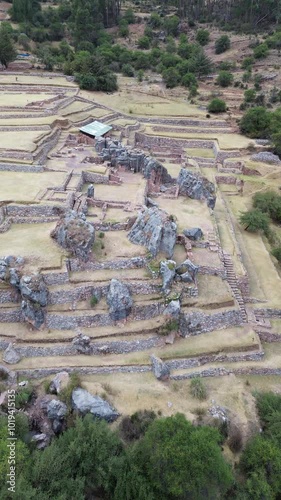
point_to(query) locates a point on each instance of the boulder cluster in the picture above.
(196, 187)
(170, 272)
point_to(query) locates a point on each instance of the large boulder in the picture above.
(82, 343)
(194, 233)
(159, 368)
(11, 356)
(84, 402)
(187, 271)
(34, 293)
(196, 187)
(56, 410)
(75, 234)
(172, 310)
(156, 172)
(119, 300)
(9, 274)
(155, 230)
(167, 272)
(59, 382)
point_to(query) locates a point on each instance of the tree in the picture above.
(222, 44)
(203, 37)
(188, 80)
(181, 461)
(217, 106)
(143, 42)
(171, 77)
(269, 203)
(7, 49)
(155, 20)
(128, 70)
(225, 78)
(255, 122)
(247, 62)
(200, 64)
(249, 95)
(171, 25)
(255, 220)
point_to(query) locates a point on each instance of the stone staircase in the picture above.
(232, 281)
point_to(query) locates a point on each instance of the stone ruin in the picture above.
(196, 187)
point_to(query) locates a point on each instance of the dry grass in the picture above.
(188, 212)
(24, 140)
(24, 186)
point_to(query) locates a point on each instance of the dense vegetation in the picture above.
(258, 122)
(147, 457)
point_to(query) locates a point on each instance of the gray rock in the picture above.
(151, 203)
(33, 288)
(196, 187)
(14, 277)
(41, 440)
(159, 368)
(266, 157)
(57, 426)
(75, 234)
(187, 271)
(84, 402)
(155, 171)
(155, 230)
(11, 356)
(24, 383)
(59, 382)
(32, 313)
(173, 309)
(90, 191)
(194, 234)
(219, 413)
(82, 344)
(167, 272)
(56, 410)
(119, 300)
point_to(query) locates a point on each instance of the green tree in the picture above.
(171, 25)
(128, 70)
(7, 49)
(217, 106)
(255, 220)
(181, 461)
(255, 122)
(203, 37)
(143, 42)
(200, 64)
(247, 62)
(269, 203)
(222, 44)
(188, 80)
(171, 77)
(225, 78)
(155, 20)
(249, 95)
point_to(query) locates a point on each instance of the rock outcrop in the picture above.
(75, 234)
(173, 309)
(159, 368)
(167, 272)
(11, 356)
(119, 300)
(34, 294)
(59, 382)
(196, 187)
(56, 410)
(84, 402)
(156, 172)
(155, 230)
(194, 233)
(82, 344)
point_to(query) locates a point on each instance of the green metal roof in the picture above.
(96, 129)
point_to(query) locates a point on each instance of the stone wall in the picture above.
(132, 263)
(95, 178)
(225, 179)
(13, 167)
(197, 322)
(150, 141)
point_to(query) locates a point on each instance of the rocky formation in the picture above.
(159, 368)
(167, 272)
(34, 293)
(59, 382)
(156, 172)
(196, 187)
(8, 273)
(82, 344)
(187, 271)
(56, 410)
(155, 230)
(194, 233)
(84, 402)
(266, 157)
(119, 300)
(11, 356)
(75, 234)
(173, 309)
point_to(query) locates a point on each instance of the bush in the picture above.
(144, 42)
(23, 396)
(247, 63)
(225, 78)
(261, 51)
(255, 220)
(171, 77)
(74, 382)
(249, 95)
(135, 426)
(203, 37)
(87, 82)
(94, 300)
(217, 106)
(123, 28)
(255, 123)
(222, 44)
(198, 389)
(155, 20)
(188, 80)
(128, 70)
(269, 203)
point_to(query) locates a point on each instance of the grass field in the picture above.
(30, 184)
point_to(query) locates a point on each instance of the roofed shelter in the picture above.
(95, 129)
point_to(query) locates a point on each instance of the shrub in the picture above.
(87, 82)
(249, 95)
(74, 382)
(23, 396)
(129, 16)
(135, 426)
(225, 78)
(255, 122)
(94, 301)
(144, 42)
(128, 70)
(247, 63)
(269, 203)
(171, 77)
(188, 80)
(198, 389)
(276, 252)
(222, 44)
(155, 20)
(261, 51)
(217, 106)
(255, 220)
(123, 28)
(203, 37)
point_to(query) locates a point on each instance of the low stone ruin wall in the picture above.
(95, 178)
(195, 323)
(225, 179)
(30, 211)
(150, 140)
(10, 167)
(212, 271)
(132, 263)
